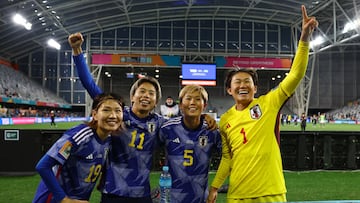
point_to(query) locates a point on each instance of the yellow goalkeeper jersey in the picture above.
(251, 155)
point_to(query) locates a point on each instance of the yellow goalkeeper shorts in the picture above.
(269, 198)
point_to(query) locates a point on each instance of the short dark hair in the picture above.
(252, 72)
(150, 80)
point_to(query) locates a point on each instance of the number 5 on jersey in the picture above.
(188, 157)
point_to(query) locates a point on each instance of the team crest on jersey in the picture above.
(255, 112)
(151, 127)
(65, 149)
(203, 140)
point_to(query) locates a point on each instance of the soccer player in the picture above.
(52, 118)
(251, 154)
(127, 175)
(71, 167)
(189, 144)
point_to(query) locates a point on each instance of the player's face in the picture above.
(169, 101)
(144, 99)
(242, 88)
(109, 117)
(192, 104)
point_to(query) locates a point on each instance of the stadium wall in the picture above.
(20, 150)
(33, 120)
(336, 79)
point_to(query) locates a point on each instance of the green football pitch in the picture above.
(291, 127)
(301, 186)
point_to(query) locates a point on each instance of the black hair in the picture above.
(252, 72)
(150, 80)
(99, 99)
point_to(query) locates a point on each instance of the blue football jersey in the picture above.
(81, 154)
(128, 171)
(188, 154)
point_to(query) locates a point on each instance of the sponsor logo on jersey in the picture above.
(255, 112)
(176, 140)
(228, 125)
(90, 156)
(151, 127)
(66, 149)
(203, 140)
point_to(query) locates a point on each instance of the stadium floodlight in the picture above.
(317, 41)
(351, 26)
(19, 19)
(54, 44)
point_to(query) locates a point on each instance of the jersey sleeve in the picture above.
(162, 136)
(224, 167)
(85, 76)
(44, 168)
(62, 148)
(218, 142)
(298, 69)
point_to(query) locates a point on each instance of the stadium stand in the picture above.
(348, 112)
(16, 84)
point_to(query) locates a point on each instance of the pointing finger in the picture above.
(304, 13)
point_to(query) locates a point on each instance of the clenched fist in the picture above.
(75, 41)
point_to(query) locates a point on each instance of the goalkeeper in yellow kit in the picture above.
(251, 155)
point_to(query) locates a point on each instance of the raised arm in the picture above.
(75, 41)
(299, 65)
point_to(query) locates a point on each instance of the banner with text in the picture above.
(135, 59)
(250, 62)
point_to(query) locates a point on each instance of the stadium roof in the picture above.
(59, 18)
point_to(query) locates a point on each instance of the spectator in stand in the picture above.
(72, 166)
(170, 108)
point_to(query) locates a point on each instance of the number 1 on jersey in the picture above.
(244, 135)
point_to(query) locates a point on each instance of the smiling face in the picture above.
(192, 104)
(242, 89)
(193, 100)
(109, 116)
(144, 99)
